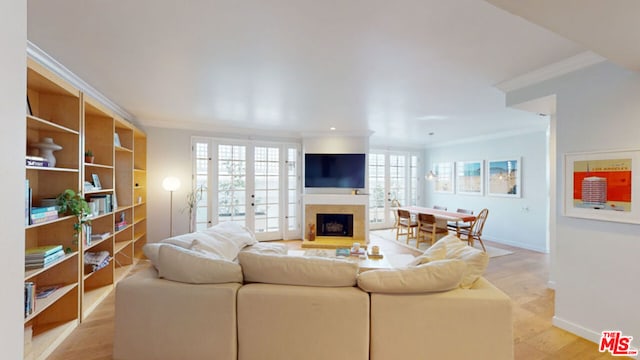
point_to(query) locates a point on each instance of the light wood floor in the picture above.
(522, 275)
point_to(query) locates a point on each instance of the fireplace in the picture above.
(334, 225)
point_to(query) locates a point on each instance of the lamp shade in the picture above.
(171, 183)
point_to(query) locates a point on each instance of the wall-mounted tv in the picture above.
(334, 170)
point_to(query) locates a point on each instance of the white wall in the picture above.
(515, 221)
(596, 263)
(13, 42)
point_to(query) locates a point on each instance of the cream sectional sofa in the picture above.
(310, 308)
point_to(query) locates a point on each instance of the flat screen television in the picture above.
(334, 170)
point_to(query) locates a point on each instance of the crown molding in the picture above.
(44, 59)
(551, 71)
(499, 135)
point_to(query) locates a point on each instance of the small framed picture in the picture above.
(503, 177)
(96, 182)
(116, 139)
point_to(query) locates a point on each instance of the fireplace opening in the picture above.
(334, 225)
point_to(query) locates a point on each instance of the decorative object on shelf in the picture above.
(312, 232)
(116, 139)
(171, 184)
(71, 202)
(88, 156)
(96, 182)
(29, 112)
(193, 198)
(46, 147)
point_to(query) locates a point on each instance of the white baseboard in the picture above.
(516, 244)
(584, 332)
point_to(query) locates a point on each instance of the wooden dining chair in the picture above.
(428, 229)
(457, 225)
(475, 231)
(438, 207)
(405, 225)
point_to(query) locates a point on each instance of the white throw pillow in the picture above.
(297, 270)
(184, 241)
(433, 253)
(434, 276)
(184, 265)
(232, 232)
(476, 259)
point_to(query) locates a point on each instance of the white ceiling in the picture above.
(400, 69)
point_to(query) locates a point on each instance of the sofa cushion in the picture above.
(185, 241)
(266, 248)
(433, 253)
(188, 266)
(297, 270)
(438, 275)
(151, 251)
(476, 259)
(232, 232)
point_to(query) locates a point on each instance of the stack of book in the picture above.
(42, 256)
(94, 261)
(43, 214)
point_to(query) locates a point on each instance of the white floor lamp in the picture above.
(171, 184)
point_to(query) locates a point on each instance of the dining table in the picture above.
(442, 217)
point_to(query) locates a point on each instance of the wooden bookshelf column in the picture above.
(79, 124)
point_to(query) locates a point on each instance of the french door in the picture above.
(255, 184)
(393, 180)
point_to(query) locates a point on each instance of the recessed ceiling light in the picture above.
(332, 128)
(431, 133)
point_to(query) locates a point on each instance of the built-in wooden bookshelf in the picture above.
(79, 123)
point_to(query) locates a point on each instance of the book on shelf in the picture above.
(45, 291)
(121, 225)
(27, 203)
(29, 298)
(44, 209)
(98, 237)
(41, 251)
(94, 261)
(36, 161)
(36, 263)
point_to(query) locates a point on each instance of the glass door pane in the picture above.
(377, 190)
(267, 191)
(202, 159)
(293, 199)
(232, 180)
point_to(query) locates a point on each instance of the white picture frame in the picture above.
(469, 179)
(504, 177)
(96, 182)
(603, 185)
(443, 181)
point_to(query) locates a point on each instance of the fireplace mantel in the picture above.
(357, 205)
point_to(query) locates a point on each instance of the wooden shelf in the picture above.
(37, 123)
(31, 273)
(46, 340)
(43, 304)
(80, 123)
(92, 298)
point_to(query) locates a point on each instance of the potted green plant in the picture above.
(70, 202)
(88, 156)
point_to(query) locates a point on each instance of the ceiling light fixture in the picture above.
(432, 117)
(332, 128)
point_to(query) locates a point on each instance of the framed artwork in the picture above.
(443, 180)
(116, 139)
(469, 177)
(96, 182)
(503, 177)
(602, 185)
